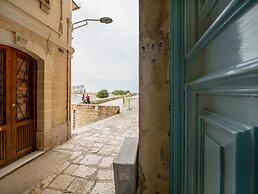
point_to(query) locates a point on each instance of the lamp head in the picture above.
(106, 20)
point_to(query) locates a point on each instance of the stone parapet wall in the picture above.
(103, 100)
(83, 114)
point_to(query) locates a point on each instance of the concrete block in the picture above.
(125, 167)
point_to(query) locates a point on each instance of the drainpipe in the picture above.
(61, 19)
(68, 75)
(67, 60)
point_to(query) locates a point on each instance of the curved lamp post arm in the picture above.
(79, 24)
(84, 22)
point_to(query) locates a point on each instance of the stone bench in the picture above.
(125, 167)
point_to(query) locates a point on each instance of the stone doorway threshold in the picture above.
(19, 163)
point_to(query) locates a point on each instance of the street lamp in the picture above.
(79, 24)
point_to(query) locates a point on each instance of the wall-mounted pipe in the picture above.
(61, 19)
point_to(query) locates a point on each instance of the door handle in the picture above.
(13, 105)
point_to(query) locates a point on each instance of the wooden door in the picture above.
(17, 104)
(215, 128)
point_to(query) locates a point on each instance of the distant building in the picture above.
(80, 89)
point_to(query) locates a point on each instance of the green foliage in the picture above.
(120, 92)
(102, 93)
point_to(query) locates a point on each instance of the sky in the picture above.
(106, 55)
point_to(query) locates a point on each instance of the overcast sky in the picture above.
(106, 55)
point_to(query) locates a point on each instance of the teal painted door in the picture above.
(220, 80)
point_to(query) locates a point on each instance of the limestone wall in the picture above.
(19, 29)
(154, 79)
(83, 114)
(54, 22)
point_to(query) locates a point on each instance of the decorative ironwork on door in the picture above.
(24, 97)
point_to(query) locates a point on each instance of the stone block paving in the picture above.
(93, 149)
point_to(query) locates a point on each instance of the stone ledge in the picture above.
(19, 163)
(125, 167)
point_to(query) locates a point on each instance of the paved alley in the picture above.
(83, 164)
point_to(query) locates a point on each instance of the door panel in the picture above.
(207, 12)
(213, 158)
(5, 125)
(227, 154)
(3, 136)
(221, 92)
(23, 98)
(2, 86)
(24, 137)
(17, 104)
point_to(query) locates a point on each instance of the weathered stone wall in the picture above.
(154, 97)
(86, 113)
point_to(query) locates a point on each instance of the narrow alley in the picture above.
(83, 164)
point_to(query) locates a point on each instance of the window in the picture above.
(45, 5)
